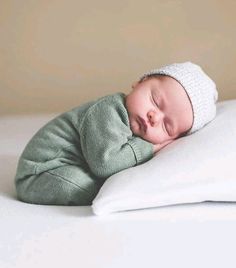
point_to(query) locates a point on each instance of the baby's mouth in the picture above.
(142, 123)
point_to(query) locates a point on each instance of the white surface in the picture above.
(196, 168)
(197, 235)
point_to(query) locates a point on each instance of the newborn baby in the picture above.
(68, 160)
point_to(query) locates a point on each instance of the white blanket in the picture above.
(201, 235)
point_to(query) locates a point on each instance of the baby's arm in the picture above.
(108, 144)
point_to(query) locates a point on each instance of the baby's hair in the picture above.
(149, 76)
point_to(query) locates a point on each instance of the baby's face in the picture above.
(159, 109)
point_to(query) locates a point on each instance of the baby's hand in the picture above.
(158, 147)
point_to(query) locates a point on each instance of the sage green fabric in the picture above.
(67, 161)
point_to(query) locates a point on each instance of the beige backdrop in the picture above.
(57, 54)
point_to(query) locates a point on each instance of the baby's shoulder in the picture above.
(107, 108)
(108, 103)
(116, 98)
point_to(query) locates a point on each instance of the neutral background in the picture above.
(55, 55)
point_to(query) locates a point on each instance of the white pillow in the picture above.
(196, 168)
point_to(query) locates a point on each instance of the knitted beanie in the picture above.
(200, 88)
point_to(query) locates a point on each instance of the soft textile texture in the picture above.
(62, 236)
(195, 168)
(68, 159)
(198, 85)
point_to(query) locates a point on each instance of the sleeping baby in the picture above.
(67, 161)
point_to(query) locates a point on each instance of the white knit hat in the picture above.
(199, 87)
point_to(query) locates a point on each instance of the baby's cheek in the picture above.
(154, 137)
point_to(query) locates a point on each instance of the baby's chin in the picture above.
(146, 138)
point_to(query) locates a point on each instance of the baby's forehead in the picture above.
(151, 76)
(160, 78)
(163, 82)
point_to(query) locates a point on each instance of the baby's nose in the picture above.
(155, 117)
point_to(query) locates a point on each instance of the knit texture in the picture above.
(199, 87)
(90, 142)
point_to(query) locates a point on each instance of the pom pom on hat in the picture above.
(198, 85)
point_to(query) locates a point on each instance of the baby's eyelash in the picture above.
(155, 102)
(164, 127)
(167, 129)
